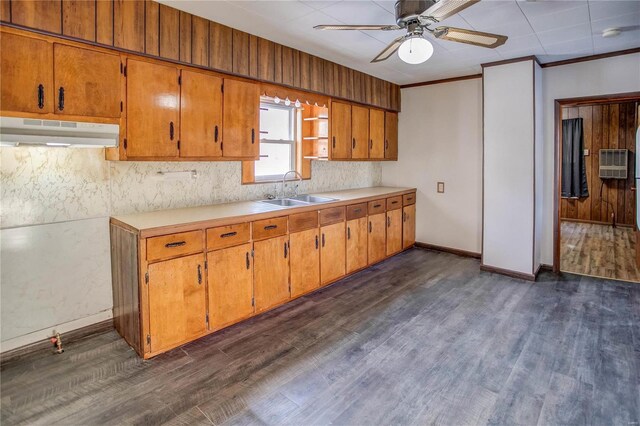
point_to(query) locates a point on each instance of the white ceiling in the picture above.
(551, 29)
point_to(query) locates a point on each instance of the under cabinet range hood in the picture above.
(74, 134)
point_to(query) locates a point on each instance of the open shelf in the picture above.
(315, 138)
(315, 118)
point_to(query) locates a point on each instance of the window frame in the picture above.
(291, 142)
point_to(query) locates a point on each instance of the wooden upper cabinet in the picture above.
(86, 82)
(332, 252)
(359, 132)
(177, 301)
(376, 134)
(200, 115)
(305, 261)
(377, 238)
(408, 226)
(230, 281)
(241, 119)
(356, 244)
(153, 110)
(26, 74)
(394, 231)
(271, 272)
(340, 131)
(391, 135)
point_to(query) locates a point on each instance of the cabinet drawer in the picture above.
(269, 228)
(356, 211)
(303, 221)
(332, 215)
(394, 203)
(408, 199)
(228, 236)
(377, 206)
(173, 245)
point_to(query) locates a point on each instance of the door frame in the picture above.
(557, 164)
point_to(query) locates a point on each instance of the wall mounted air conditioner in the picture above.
(613, 163)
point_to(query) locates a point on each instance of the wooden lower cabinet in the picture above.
(271, 272)
(177, 302)
(304, 261)
(356, 244)
(230, 281)
(332, 252)
(394, 231)
(377, 238)
(408, 226)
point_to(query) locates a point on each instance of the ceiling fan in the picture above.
(417, 17)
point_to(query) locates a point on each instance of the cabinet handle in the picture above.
(371, 144)
(386, 145)
(334, 141)
(61, 98)
(375, 206)
(394, 202)
(285, 250)
(353, 143)
(215, 134)
(357, 210)
(316, 242)
(269, 227)
(348, 232)
(388, 221)
(323, 239)
(369, 227)
(253, 136)
(176, 244)
(171, 130)
(248, 263)
(40, 96)
(228, 234)
(199, 274)
(404, 216)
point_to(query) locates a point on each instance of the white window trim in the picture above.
(292, 142)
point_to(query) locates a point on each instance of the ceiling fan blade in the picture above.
(445, 8)
(389, 50)
(358, 27)
(475, 38)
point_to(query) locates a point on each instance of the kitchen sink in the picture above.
(285, 202)
(313, 199)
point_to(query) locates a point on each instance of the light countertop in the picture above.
(244, 209)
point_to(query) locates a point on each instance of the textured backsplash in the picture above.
(44, 185)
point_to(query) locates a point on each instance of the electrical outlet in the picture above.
(586, 152)
(440, 187)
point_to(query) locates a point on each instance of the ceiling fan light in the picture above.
(415, 50)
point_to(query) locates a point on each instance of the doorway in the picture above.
(596, 224)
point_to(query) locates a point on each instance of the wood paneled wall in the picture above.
(605, 126)
(144, 26)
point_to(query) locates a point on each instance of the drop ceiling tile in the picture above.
(487, 15)
(602, 9)
(319, 4)
(631, 21)
(626, 40)
(265, 8)
(521, 44)
(360, 12)
(561, 19)
(535, 9)
(581, 46)
(564, 34)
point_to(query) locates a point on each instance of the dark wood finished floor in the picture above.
(422, 338)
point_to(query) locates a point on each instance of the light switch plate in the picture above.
(586, 152)
(440, 187)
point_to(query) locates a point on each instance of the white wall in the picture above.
(55, 270)
(440, 140)
(619, 74)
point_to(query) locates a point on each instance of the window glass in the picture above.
(275, 159)
(277, 141)
(275, 122)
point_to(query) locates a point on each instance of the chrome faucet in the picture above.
(284, 178)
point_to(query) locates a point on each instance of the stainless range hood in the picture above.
(28, 131)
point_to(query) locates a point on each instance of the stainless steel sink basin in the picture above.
(313, 199)
(285, 202)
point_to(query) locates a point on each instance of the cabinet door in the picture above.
(153, 103)
(340, 130)
(241, 119)
(356, 244)
(200, 115)
(177, 301)
(359, 132)
(332, 254)
(409, 226)
(377, 238)
(305, 261)
(271, 272)
(376, 134)
(391, 135)
(230, 281)
(27, 74)
(86, 82)
(394, 231)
